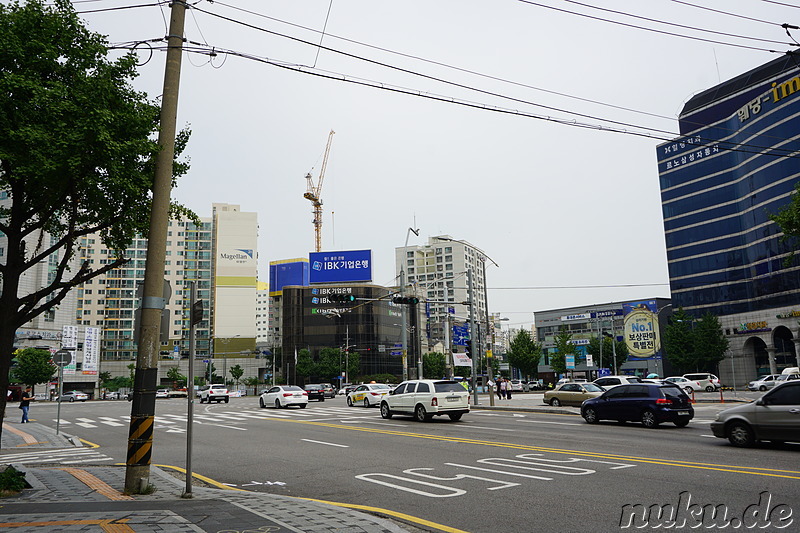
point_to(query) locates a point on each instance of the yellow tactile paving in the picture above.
(109, 526)
(96, 484)
(27, 437)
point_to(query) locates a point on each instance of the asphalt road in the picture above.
(491, 471)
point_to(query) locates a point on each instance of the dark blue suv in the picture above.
(648, 403)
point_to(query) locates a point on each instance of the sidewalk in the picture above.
(89, 498)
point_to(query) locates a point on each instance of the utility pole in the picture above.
(472, 335)
(140, 437)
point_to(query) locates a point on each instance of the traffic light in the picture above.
(406, 300)
(468, 349)
(342, 298)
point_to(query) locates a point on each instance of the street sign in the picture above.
(570, 360)
(396, 352)
(62, 358)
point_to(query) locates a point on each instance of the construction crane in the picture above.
(314, 194)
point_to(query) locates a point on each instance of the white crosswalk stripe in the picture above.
(60, 456)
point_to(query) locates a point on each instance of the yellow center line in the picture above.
(751, 470)
(107, 525)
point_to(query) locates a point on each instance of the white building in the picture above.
(437, 273)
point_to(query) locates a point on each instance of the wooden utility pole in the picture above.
(140, 437)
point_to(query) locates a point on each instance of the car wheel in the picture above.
(385, 411)
(709, 389)
(72, 399)
(455, 417)
(303, 405)
(349, 402)
(740, 434)
(421, 414)
(366, 402)
(689, 391)
(226, 400)
(202, 400)
(322, 399)
(649, 419)
(681, 423)
(555, 402)
(277, 404)
(762, 388)
(261, 403)
(590, 415)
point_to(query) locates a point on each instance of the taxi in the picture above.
(368, 395)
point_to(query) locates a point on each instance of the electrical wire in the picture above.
(781, 3)
(722, 12)
(120, 8)
(653, 30)
(694, 28)
(730, 146)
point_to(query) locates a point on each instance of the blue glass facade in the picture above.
(736, 163)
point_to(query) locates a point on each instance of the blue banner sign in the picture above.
(339, 267)
(460, 335)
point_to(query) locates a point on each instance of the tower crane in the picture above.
(314, 194)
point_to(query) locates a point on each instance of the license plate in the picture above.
(683, 413)
(297, 395)
(453, 398)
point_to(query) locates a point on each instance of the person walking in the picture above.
(503, 388)
(508, 389)
(25, 403)
(497, 388)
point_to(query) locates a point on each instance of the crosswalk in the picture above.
(63, 456)
(177, 423)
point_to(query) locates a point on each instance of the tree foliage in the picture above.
(608, 346)
(563, 346)
(434, 365)
(175, 376)
(525, 354)
(236, 372)
(33, 366)
(77, 156)
(693, 345)
(788, 219)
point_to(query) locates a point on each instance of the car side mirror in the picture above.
(761, 401)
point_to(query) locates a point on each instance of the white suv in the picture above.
(709, 382)
(608, 382)
(209, 393)
(425, 398)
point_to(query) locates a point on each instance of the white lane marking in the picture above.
(228, 427)
(351, 421)
(712, 436)
(109, 421)
(518, 474)
(548, 422)
(326, 443)
(448, 492)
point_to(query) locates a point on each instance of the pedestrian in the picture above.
(497, 388)
(503, 388)
(508, 390)
(25, 403)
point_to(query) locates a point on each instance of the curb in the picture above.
(556, 411)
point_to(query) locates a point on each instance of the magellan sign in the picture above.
(240, 255)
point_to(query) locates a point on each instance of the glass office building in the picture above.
(736, 162)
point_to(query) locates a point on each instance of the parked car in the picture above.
(786, 377)
(687, 385)
(532, 385)
(572, 394)
(315, 392)
(178, 393)
(649, 403)
(214, 392)
(343, 389)
(608, 382)
(74, 395)
(162, 393)
(425, 398)
(763, 383)
(368, 395)
(283, 396)
(516, 385)
(709, 382)
(111, 395)
(328, 390)
(774, 417)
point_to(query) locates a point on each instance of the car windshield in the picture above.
(673, 392)
(448, 386)
(591, 387)
(634, 379)
(376, 386)
(292, 387)
(313, 387)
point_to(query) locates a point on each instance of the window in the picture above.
(409, 254)
(423, 387)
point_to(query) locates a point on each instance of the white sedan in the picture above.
(687, 385)
(283, 396)
(74, 395)
(368, 395)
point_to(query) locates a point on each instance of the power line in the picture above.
(653, 30)
(723, 12)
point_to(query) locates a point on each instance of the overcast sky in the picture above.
(571, 215)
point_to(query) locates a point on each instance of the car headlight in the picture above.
(716, 417)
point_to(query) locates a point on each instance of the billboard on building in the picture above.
(287, 272)
(340, 267)
(640, 329)
(91, 350)
(69, 339)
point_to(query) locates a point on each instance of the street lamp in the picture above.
(404, 337)
(225, 341)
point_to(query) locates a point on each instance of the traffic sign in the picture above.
(62, 358)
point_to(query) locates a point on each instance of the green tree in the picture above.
(251, 381)
(178, 380)
(305, 364)
(104, 378)
(678, 341)
(33, 366)
(236, 373)
(434, 365)
(330, 363)
(710, 344)
(788, 220)
(563, 346)
(76, 157)
(525, 354)
(353, 365)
